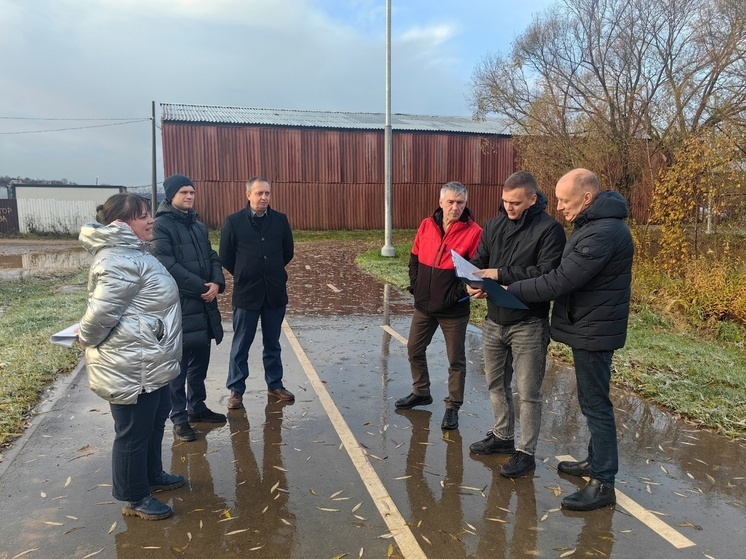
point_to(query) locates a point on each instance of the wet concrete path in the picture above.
(332, 473)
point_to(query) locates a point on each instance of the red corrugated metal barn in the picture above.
(327, 168)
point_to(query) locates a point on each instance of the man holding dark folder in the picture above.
(521, 242)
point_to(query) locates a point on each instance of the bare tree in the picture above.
(612, 83)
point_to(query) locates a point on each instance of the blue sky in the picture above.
(102, 59)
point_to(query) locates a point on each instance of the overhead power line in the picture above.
(73, 119)
(76, 127)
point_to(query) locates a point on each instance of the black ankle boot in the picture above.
(593, 496)
(580, 469)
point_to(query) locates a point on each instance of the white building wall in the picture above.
(98, 194)
(55, 216)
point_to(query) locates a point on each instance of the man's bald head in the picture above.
(576, 191)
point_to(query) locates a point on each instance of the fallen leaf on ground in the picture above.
(94, 553)
(113, 527)
(26, 552)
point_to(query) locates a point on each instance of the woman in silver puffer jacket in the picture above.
(131, 332)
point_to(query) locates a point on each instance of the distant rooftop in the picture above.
(173, 112)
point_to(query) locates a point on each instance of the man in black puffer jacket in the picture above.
(182, 244)
(591, 293)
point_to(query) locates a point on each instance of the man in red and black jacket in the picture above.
(440, 298)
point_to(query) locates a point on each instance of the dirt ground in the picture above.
(27, 246)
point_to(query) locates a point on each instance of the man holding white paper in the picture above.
(439, 298)
(521, 242)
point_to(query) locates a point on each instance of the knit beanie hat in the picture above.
(174, 183)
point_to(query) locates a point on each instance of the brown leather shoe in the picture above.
(235, 402)
(282, 394)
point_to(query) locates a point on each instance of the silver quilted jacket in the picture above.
(132, 327)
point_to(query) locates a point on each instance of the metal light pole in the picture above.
(154, 186)
(388, 247)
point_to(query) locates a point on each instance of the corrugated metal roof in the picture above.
(326, 119)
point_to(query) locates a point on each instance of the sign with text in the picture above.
(9, 217)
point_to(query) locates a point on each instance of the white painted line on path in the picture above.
(386, 507)
(394, 333)
(334, 288)
(646, 517)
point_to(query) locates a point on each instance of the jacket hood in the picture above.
(608, 203)
(165, 208)
(95, 236)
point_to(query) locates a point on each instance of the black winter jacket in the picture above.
(591, 286)
(525, 248)
(256, 257)
(182, 244)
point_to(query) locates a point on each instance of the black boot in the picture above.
(580, 469)
(450, 419)
(413, 400)
(593, 496)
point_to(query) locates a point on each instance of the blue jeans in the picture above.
(136, 454)
(188, 392)
(593, 374)
(245, 322)
(520, 351)
(421, 333)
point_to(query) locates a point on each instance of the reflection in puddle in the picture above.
(68, 259)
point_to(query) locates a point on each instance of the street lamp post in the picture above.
(388, 247)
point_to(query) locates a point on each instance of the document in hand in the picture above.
(465, 270)
(495, 292)
(66, 337)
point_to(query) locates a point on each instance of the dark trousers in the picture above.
(593, 375)
(188, 389)
(136, 455)
(421, 333)
(245, 323)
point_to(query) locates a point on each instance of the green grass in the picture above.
(33, 310)
(698, 374)
(704, 380)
